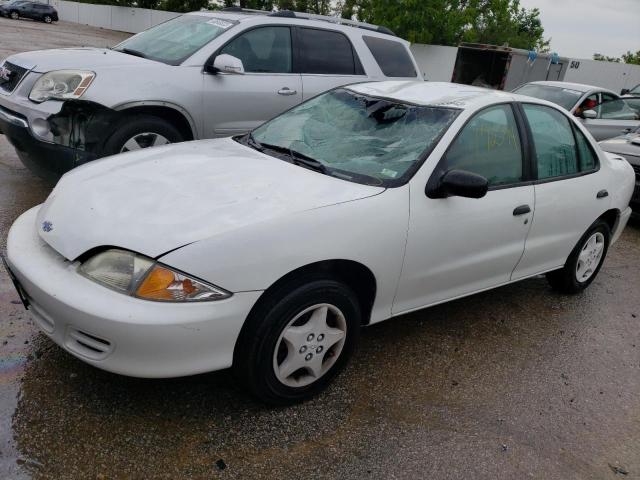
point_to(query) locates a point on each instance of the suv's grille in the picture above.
(10, 76)
(637, 170)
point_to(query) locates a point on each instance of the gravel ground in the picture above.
(518, 382)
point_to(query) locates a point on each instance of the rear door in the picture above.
(234, 103)
(326, 59)
(567, 189)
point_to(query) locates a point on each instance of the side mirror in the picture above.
(624, 91)
(590, 114)
(460, 183)
(226, 64)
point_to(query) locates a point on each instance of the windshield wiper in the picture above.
(135, 53)
(297, 158)
(253, 143)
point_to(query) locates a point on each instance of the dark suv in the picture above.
(33, 10)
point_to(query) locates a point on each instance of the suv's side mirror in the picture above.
(624, 91)
(460, 183)
(226, 64)
(590, 114)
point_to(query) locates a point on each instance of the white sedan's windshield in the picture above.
(176, 40)
(357, 137)
(565, 97)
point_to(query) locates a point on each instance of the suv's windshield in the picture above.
(174, 41)
(355, 137)
(565, 97)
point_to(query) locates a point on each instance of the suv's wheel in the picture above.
(140, 131)
(14, 15)
(47, 19)
(585, 260)
(295, 343)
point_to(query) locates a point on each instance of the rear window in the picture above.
(326, 52)
(392, 57)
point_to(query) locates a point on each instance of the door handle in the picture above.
(521, 210)
(286, 91)
(602, 194)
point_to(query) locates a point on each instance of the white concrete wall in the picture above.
(123, 19)
(614, 76)
(435, 61)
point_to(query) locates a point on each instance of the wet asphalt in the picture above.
(519, 382)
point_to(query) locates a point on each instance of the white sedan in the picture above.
(268, 252)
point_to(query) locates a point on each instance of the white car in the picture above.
(268, 252)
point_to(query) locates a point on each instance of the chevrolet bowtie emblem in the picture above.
(47, 226)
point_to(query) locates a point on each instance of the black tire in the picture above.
(47, 19)
(14, 15)
(131, 126)
(565, 280)
(254, 353)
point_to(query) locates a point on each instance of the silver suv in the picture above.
(200, 75)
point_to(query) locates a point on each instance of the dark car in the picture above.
(628, 146)
(23, 9)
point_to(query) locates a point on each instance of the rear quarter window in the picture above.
(392, 57)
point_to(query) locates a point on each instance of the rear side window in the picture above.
(586, 155)
(263, 50)
(555, 145)
(392, 57)
(326, 52)
(489, 145)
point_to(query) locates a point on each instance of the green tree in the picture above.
(605, 58)
(630, 57)
(449, 22)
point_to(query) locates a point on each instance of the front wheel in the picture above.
(140, 131)
(294, 344)
(584, 262)
(47, 19)
(14, 15)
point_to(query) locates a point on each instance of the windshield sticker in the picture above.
(389, 173)
(223, 24)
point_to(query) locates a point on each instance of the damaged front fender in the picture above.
(81, 125)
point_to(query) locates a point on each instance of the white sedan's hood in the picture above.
(159, 199)
(82, 58)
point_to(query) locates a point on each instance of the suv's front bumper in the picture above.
(46, 159)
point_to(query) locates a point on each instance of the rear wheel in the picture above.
(295, 343)
(140, 131)
(585, 260)
(14, 15)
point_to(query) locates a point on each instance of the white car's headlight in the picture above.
(143, 277)
(61, 85)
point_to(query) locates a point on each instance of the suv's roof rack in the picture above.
(313, 16)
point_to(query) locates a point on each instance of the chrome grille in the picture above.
(10, 76)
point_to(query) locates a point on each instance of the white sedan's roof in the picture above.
(578, 87)
(434, 93)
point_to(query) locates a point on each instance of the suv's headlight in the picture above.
(61, 85)
(143, 277)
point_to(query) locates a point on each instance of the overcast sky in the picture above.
(580, 28)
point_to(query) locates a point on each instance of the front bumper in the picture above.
(47, 160)
(116, 332)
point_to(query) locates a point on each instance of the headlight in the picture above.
(143, 277)
(61, 85)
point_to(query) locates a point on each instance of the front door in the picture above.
(615, 117)
(457, 246)
(235, 103)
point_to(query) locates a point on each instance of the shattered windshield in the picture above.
(174, 41)
(565, 97)
(356, 137)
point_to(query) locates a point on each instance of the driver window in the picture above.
(617, 109)
(489, 145)
(263, 50)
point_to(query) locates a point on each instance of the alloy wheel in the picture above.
(309, 345)
(590, 257)
(144, 140)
